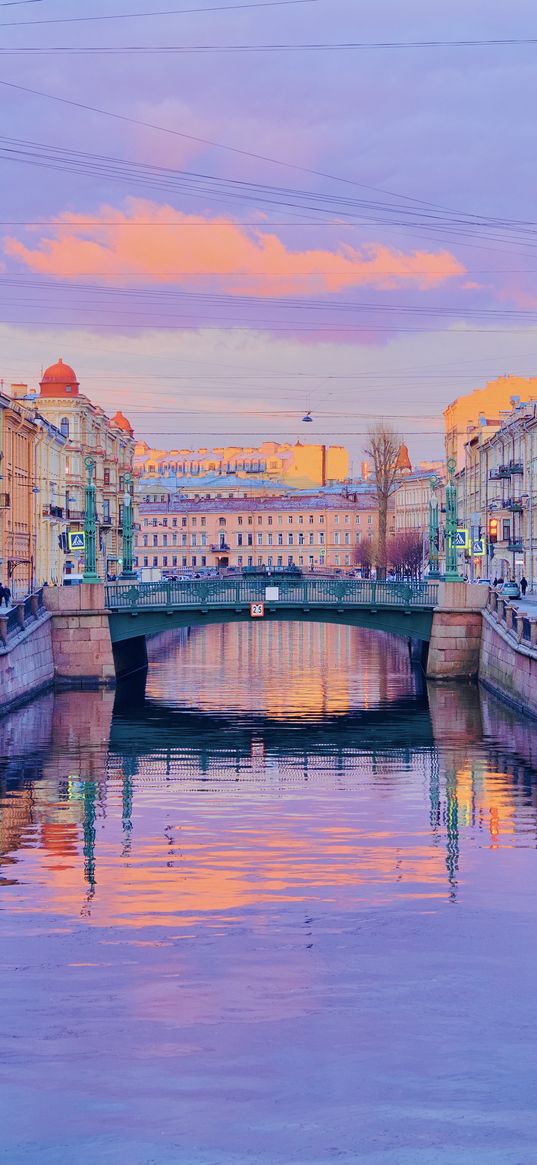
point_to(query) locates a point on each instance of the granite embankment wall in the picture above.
(508, 659)
(455, 643)
(27, 664)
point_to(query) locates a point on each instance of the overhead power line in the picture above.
(140, 15)
(302, 47)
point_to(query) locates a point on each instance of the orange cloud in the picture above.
(130, 246)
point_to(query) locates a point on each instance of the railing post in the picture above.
(500, 609)
(20, 614)
(34, 605)
(519, 626)
(533, 631)
(509, 612)
(3, 630)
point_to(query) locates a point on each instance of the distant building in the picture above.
(321, 529)
(298, 465)
(412, 498)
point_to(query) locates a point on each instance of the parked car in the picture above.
(511, 590)
(249, 570)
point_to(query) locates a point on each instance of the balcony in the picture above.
(51, 511)
(516, 467)
(502, 473)
(514, 505)
(216, 548)
(105, 520)
(515, 545)
(74, 515)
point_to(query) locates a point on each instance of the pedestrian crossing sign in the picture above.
(76, 540)
(461, 538)
(478, 547)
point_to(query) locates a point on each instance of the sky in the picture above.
(222, 238)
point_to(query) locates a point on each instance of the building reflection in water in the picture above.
(317, 771)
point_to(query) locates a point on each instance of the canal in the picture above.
(280, 910)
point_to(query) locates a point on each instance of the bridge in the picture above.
(148, 608)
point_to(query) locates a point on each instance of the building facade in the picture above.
(310, 530)
(298, 465)
(497, 495)
(88, 433)
(412, 499)
(481, 406)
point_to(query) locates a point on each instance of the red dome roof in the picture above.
(59, 380)
(120, 422)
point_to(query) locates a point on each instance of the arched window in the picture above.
(64, 426)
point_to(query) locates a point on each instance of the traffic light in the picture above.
(62, 542)
(493, 530)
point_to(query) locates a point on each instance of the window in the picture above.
(239, 560)
(250, 560)
(310, 538)
(259, 520)
(164, 521)
(144, 539)
(289, 559)
(347, 519)
(301, 519)
(506, 534)
(221, 521)
(301, 560)
(321, 539)
(290, 519)
(193, 520)
(269, 521)
(146, 561)
(336, 560)
(347, 560)
(193, 541)
(239, 521)
(146, 521)
(300, 539)
(183, 521)
(369, 520)
(259, 560)
(357, 517)
(250, 540)
(203, 540)
(194, 560)
(183, 561)
(336, 519)
(204, 560)
(165, 560)
(174, 560)
(280, 539)
(203, 521)
(280, 560)
(310, 519)
(321, 520)
(347, 538)
(289, 539)
(155, 539)
(64, 426)
(337, 537)
(174, 521)
(269, 560)
(269, 539)
(183, 539)
(164, 539)
(106, 477)
(154, 522)
(174, 539)
(155, 560)
(259, 539)
(280, 519)
(250, 520)
(239, 539)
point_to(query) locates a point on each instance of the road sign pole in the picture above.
(127, 571)
(434, 531)
(90, 525)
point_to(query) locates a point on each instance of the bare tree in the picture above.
(405, 554)
(364, 555)
(382, 449)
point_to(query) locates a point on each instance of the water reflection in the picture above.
(313, 846)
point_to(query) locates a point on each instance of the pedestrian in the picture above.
(523, 585)
(495, 583)
(6, 596)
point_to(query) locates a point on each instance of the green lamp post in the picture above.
(127, 571)
(452, 567)
(90, 525)
(434, 531)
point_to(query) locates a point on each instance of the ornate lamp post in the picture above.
(452, 568)
(434, 531)
(90, 525)
(127, 571)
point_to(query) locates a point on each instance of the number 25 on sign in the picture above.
(257, 610)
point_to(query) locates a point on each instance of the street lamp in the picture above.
(434, 531)
(452, 566)
(127, 571)
(90, 525)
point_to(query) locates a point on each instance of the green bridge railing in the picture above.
(235, 592)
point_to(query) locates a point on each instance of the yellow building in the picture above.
(298, 465)
(412, 498)
(17, 505)
(487, 403)
(50, 464)
(309, 530)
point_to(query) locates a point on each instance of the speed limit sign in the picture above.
(257, 610)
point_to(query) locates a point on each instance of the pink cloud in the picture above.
(240, 260)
